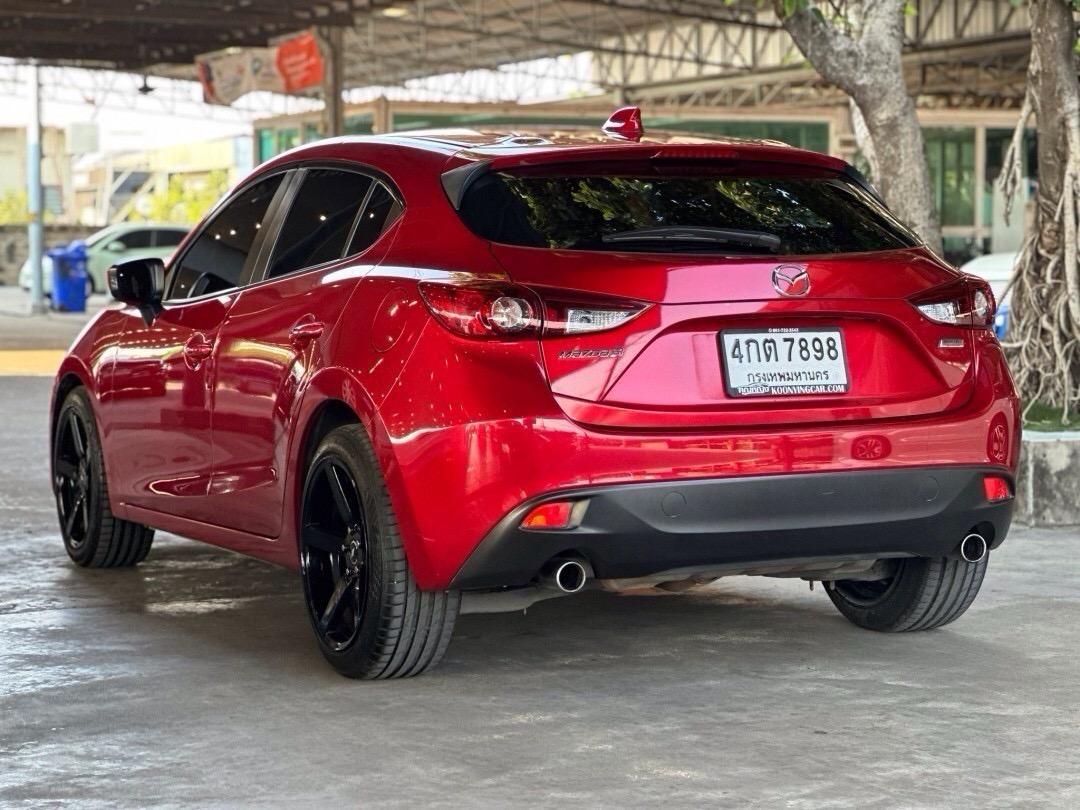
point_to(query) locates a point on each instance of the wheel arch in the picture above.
(331, 399)
(329, 415)
(71, 375)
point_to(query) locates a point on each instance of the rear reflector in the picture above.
(996, 488)
(555, 515)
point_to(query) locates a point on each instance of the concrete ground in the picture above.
(19, 330)
(193, 680)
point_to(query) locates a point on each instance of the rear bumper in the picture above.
(633, 530)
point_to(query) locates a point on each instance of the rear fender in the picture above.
(334, 387)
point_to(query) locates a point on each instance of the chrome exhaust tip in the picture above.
(973, 548)
(568, 576)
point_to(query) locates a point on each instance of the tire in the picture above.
(369, 617)
(93, 537)
(923, 593)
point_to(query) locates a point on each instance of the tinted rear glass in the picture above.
(808, 210)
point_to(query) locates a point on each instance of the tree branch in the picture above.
(1012, 169)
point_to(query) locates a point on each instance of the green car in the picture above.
(116, 243)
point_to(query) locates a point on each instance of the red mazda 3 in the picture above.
(451, 372)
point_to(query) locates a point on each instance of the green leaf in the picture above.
(910, 10)
(790, 7)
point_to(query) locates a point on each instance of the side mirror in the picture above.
(140, 282)
(116, 247)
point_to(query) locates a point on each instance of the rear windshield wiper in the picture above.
(699, 235)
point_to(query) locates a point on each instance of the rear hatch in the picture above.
(752, 293)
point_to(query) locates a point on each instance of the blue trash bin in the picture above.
(1001, 321)
(69, 276)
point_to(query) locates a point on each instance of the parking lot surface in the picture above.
(194, 680)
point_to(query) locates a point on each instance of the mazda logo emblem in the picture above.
(791, 280)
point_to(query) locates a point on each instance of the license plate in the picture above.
(788, 361)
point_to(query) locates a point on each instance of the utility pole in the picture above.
(33, 181)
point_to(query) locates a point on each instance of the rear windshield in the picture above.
(732, 209)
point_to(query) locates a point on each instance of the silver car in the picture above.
(116, 243)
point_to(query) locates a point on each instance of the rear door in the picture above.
(278, 333)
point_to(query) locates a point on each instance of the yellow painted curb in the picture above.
(30, 363)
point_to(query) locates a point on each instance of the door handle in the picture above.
(197, 349)
(308, 330)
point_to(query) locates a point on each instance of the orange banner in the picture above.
(299, 62)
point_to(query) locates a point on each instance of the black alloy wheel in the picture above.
(369, 617)
(335, 558)
(72, 479)
(93, 537)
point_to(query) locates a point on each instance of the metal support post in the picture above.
(333, 42)
(33, 189)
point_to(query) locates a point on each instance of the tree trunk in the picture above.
(867, 66)
(1044, 330)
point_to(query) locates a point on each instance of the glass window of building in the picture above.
(265, 145)
(287, 138)
(950, 154)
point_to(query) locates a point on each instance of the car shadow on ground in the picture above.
(198, 601)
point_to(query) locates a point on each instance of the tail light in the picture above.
(485, 309)
(967, 302)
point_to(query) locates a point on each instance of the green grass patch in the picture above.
(1047, 418)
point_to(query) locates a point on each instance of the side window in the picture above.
(319, 221)
(167, 237)
(215, 261)
(135, 239)
(381, 211)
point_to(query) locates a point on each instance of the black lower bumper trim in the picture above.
(634, 530)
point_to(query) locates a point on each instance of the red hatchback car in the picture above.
(453, 371)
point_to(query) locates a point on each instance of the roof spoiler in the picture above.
(457, 181)
(857, 177)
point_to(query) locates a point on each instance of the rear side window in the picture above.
(135, 239)
(167, 237)
(320, 220)
(381, 210)
(741, 208)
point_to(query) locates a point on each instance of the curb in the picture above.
(1048, 480)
